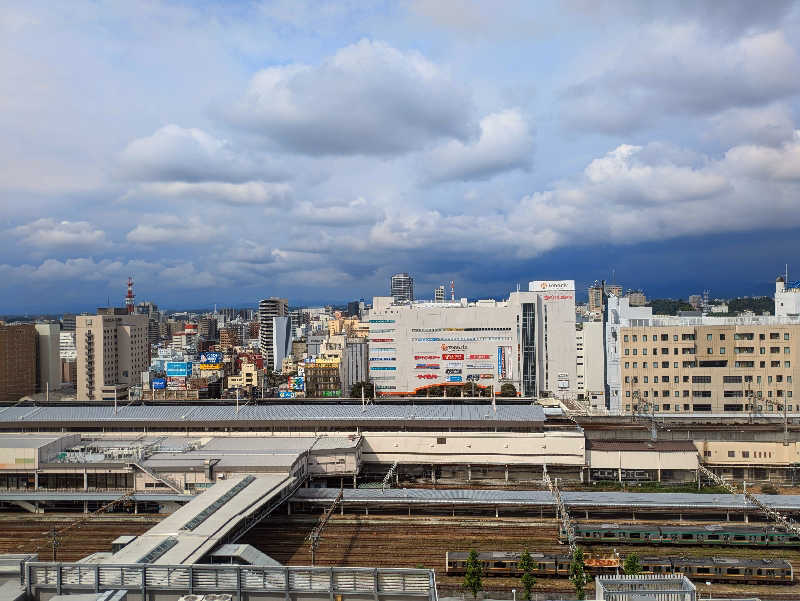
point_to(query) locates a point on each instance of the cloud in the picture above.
(368, 98)
(355, 212)
(175, 153)
(764, 162)
(168, 229)
(49, 234)
(681, 69)
(770, 125)
(242, 194)
(505, 143)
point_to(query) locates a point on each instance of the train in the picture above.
(709, 535)
(714, 569)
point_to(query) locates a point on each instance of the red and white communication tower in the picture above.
(130, 296)
(452, 290)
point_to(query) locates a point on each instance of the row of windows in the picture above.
(705, 407)
(709, 337)
(707, 379)
(690, 350)
(746, 454)
(706, 394)
(705, 363)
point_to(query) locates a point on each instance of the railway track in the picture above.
(32, 534)
(385, 541)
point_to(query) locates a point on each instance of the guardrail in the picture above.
(378, 583)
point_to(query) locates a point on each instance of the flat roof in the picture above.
(27, 441)
(300, 414)
(662, 446)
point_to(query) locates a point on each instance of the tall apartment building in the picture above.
(68, 322)
(113, 350)
(401, 288)
(527, 340)
(438, 294)
(228, 338)
(734, 366)
(207, 328)
(268, 309)
(17, 361)
(48, 360)
(590, 361)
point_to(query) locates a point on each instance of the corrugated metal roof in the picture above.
(641, 445)
(311, 413)
(543, 497)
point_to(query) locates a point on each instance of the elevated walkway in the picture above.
(222, 514)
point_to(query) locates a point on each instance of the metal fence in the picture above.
(71, 578)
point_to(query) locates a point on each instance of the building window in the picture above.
(722, 336)
(627, 394)
(441, 440)
(625, 338)
(709, 351)
(774, 335)
(665, 407)
(722, 350)
(677, 393)
(644, 337)
(786, 350)
(709, 337)
(627, 365)
(786, 336)
(635, 338)
(707, 453)
(627, 351)
(675, 365)
(731, 453)
(746, 454)
(664, 337)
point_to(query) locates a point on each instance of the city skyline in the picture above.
(311, 150)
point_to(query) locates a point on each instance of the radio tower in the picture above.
(452, 290)
(129, 296)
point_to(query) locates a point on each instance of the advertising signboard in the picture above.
(473, 377)
(159, 383)
(452, 371)
(211, 360)
(551, 285)
(427, 376)
(176, 383)
(427, 366)
(285, 394)
(487, 376)
(453, 356)
(328, 393)
(422, 357)
(454, 378)
(179, 369)
(479, 357)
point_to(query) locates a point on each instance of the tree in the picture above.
(632, 567)
(473, 574)
(369, 390)
(525, 565)
(508, 389)
(577, 574)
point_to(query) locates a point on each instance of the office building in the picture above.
(281, 343)
(207, 328)
(269, 308)
(354, 365)
(401, 288)
(68, 322)
(17, 361)
(113, 350)
(527, 341)
(48, 360)
(438, 294)
(590, 363)
(322, 379)
(714, 365)
(67, 349)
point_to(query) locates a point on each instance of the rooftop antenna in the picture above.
(129, 296)
(452, 290)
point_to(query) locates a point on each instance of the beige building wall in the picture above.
(550, 448)
(643, 460)
(746, 453)
(112, 351)
(710, 369)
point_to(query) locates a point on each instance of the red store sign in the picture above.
(453, 357)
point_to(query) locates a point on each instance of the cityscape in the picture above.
(419, 301)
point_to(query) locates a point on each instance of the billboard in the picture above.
(453, 356)
(427, 366)
(158, 383)
(551, 285)
(179, 369)
(336, 393)
(453, 378)
(285, 394)
(452, 371)
(504, 362)
(211, 360)
(176, 383)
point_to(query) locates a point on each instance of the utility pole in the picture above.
(55, 541)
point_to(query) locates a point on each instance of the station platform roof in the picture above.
(543, 498)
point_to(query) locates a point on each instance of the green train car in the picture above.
(714, 569)
(711, 535)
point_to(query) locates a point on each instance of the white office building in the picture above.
(527, 340)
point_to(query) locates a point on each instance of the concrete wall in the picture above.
(561, 448)
(715, 452)
(643, 460)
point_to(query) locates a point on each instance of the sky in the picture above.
(222, 152)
